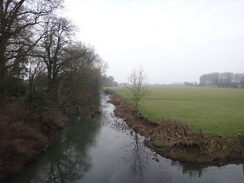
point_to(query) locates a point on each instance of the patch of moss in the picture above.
(159, 143)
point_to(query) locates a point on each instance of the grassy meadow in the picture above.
(216, 111)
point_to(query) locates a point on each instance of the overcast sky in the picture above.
(173, 40)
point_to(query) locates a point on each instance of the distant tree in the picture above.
(137, 88)
(109, 82)
(190, 84)
(237, 79)
(229, 79)
(226, 79)
(242, 81)
(211, 79)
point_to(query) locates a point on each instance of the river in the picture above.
(103, 149)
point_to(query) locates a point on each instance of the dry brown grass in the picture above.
(24, 135)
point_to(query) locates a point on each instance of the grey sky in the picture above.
(173, 40)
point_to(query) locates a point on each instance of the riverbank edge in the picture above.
(176, 141)
(25, 134)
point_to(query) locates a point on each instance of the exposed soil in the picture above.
(174, 140)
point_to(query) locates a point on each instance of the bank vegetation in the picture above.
(45, 76)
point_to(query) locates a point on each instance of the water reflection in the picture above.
(198, 170)
(134, 150)
(68, 159)
(139, 159)
(142, 160)
(191, 169)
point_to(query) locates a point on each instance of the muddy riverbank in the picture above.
(176, 141)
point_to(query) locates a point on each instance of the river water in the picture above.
(103, 149)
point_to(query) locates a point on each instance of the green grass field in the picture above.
(216, 111)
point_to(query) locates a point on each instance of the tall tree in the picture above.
(52, 48)
(80, 78)
(16, 17)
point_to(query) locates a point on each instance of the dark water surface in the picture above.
(104, 149)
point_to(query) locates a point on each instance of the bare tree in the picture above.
(57, 36)
(16, 17)
(137, 88)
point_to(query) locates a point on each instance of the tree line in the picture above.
(40, 62)
(225, 79)
(108, 81)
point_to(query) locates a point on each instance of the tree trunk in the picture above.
(2, 79)
(2, 74)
